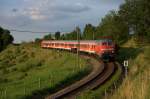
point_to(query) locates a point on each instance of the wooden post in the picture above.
(105, 94)
(126, 63)
(5, 93)
(39, 83)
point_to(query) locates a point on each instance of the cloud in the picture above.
(34, 13)
(53, 15)
(45, 9)
(71, 8)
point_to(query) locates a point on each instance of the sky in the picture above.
(51, 15)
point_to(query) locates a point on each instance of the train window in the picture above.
(62, 44)
(109, 43)
(84, 45)
(104, 43)
(93, 46)
(70, 45)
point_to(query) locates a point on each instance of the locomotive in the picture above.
(105, 48)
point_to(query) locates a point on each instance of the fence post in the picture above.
(105, 94)
(39, 83)
(24, 89)
(126, 63)
(5, 93)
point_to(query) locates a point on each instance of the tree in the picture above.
(48, 37)
(89, 32)
(73, 35)
(38, 40)
(113, 25)
(136, 14)
(57, 35)
(5, 38)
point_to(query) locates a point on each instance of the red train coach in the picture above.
(101, 48)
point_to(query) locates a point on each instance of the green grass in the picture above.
(28, 69)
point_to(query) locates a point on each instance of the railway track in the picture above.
(101, 72)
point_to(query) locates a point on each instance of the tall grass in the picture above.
(137, 83)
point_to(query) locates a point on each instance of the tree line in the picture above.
(5, 38)
(131, 20)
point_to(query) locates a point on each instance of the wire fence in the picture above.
(23, 89)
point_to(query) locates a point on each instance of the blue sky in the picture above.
(52, 15)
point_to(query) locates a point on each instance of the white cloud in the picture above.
(44, 9)
(34, 13)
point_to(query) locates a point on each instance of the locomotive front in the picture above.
(106, 49)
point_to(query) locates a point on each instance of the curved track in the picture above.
(101, 72)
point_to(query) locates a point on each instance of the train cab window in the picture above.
(109, 43)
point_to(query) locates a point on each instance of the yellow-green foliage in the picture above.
(26, 68)
(137, 83)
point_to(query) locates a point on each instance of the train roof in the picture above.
(81, 41)
(88, 41)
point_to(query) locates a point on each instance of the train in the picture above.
(105, 48)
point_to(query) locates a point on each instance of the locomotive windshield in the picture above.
(106, 42)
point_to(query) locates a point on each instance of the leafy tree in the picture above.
(48, 37)
(5, 38)
(113, 25)
(136, 14)
(74, 35)
(63, 37)
(89, 32)
(38, 40)
(57, 35)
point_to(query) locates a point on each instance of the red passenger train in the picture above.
(102, 48)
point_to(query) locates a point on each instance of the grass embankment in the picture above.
(137, 83)
(27, 68)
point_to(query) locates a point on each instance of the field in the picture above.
(137, 84)
(27, 70)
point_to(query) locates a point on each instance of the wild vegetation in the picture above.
(137, 83)
(5, 38)
(28, 69)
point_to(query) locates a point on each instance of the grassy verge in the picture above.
(99, 93)
(28, 69)
(137, 83)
